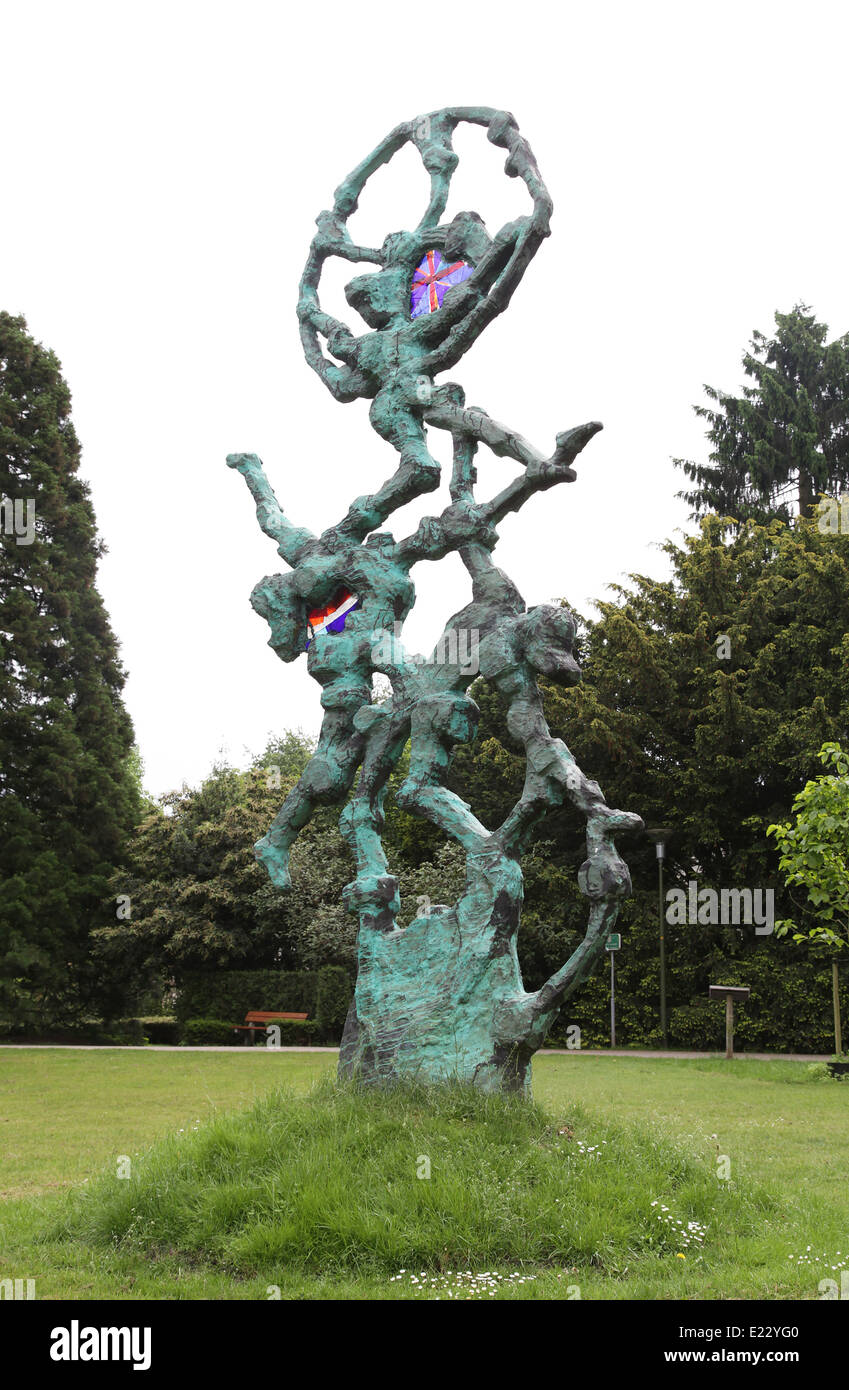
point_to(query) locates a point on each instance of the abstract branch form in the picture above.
(442, 997)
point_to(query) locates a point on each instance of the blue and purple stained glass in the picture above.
(432, 278)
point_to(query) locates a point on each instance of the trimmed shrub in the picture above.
(209, 1031)
(128, 1030)
(161, 1030)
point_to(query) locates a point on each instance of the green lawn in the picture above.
(64, 1115)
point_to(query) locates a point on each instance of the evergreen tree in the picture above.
(68, 794)
(704, 702)
(786, 438)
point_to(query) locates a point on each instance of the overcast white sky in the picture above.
(162, 167)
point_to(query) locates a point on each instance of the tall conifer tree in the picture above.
(785, 439)
(68, 797)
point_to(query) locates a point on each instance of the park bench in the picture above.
(257, 1018)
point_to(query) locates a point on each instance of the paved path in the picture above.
(691, 1056)
(160, 1047)
(548, 1051)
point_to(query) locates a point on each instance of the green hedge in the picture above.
(229, 994)
(332, 999)
(121, 1032)
(161, 1030)
(206, 1032)
(215, 1032)
(127, 1030)
(293, 1032)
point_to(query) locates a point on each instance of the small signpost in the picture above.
(729, 993)
(612, 944)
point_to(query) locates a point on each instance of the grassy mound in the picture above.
(336, 1181)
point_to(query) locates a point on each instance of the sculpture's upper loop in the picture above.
(498, 263)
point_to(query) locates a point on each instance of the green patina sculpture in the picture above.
(442, 997)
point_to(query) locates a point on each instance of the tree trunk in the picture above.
(806, 493)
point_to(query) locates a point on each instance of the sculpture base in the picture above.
(443, 1000)
(386, 1058)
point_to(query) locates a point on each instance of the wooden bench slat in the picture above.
(258, 1016)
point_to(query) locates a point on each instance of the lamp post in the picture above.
(614, 941)
(659, 836)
